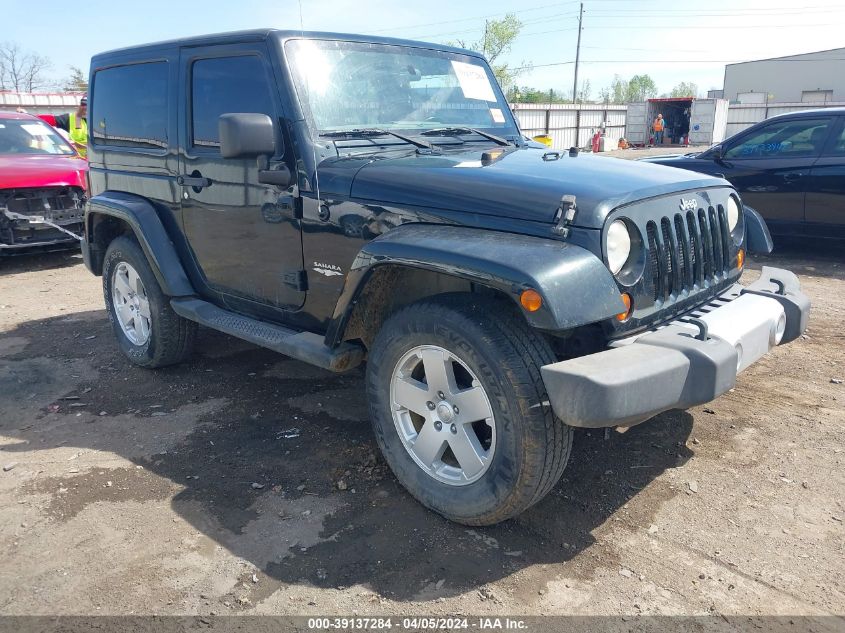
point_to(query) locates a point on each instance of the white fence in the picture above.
(40, 102)
(574, 124)
(743, 115)
(571, 124)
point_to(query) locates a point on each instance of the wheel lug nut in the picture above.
(456, 410)
(441, 395)
(454, 429)
(438, 425)
(430, 405)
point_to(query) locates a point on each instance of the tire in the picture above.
(157, 336)
(483, 339)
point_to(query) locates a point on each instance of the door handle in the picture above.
(194, 180)
(793, 176)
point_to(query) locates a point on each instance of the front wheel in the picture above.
(148, 331)
(460, 411)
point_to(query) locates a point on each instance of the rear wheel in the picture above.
(460, 410)
(148, 331)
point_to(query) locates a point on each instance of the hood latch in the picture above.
(565, 215)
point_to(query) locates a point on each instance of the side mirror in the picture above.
(251, 135)
(246, 135)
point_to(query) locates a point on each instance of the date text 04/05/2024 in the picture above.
(417, 623)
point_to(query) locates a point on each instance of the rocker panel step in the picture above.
(305, 346)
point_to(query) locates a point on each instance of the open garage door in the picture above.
(708, 121)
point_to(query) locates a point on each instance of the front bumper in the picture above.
(687, 362)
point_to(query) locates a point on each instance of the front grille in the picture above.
(687, 250)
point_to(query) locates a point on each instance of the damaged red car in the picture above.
(42, 187)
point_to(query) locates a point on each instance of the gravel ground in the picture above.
(215, 487)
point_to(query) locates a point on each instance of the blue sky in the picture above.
(684, 40)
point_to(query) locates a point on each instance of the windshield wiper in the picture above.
(373, 132)
(457, 131)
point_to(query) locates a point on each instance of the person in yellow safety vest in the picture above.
(658, 126)
(76, 125)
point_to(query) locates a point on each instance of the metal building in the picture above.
(809, 78)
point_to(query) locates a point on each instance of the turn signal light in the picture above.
(629, 307)
(531, 300)
(740, 258)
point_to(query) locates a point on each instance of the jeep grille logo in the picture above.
(688, 204)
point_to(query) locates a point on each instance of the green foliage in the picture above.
(584, 91)
(640, 88)
(498, 39)
(77, 82)
(526, 94)
(637, 88)
(685, 89)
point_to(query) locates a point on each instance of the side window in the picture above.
(783, 139)
(129, 106)
(226, 84)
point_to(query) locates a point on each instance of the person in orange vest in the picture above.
(76, 125)
(658, 128)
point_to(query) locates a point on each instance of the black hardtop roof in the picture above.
(256, 35)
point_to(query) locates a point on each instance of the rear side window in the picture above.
(226, 84)
(129, 106)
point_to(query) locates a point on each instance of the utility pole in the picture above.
(577, 56)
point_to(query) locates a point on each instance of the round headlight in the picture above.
(618, 245)
(733, 213)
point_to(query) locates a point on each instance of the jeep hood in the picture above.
(38, 170)
(520, 183)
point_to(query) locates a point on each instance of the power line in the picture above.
(478, 17)
(670, 61)
(718, 26)
(476, 29)
(706, 12)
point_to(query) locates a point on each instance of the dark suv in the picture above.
(340, 198)
(791, 167)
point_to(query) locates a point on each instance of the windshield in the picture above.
(351, 85)
(31, 136)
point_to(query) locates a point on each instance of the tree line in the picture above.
(498, 39)
(26, 71)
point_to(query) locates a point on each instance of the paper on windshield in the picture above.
(474, 81)
(35, 129)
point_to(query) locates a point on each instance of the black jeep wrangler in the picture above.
(343, 199)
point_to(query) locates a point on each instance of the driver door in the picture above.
(771, 165)
(244, 235)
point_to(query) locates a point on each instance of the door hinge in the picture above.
(296, 279)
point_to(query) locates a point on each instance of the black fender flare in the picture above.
(576, 286)
(141, 216)
(758, 240)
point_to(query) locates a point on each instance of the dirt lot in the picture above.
(213, 487)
